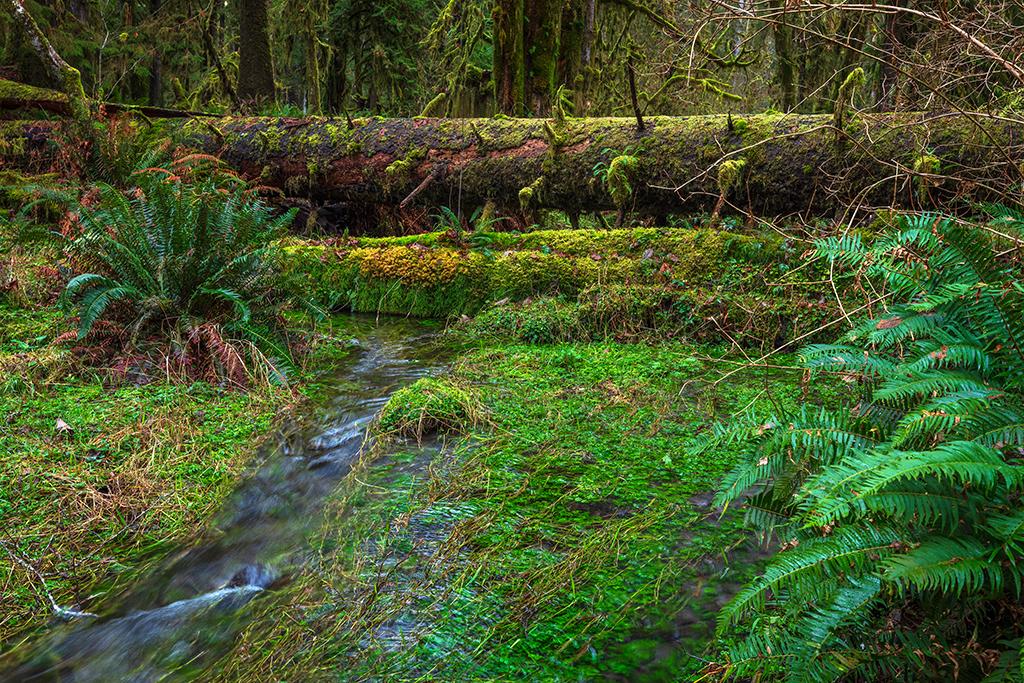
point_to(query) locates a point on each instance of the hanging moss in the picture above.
(730, 172)
(563, 105)
(531, 193)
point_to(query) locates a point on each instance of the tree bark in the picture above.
(782, 35)
(255, 68)
(509, 56)
(790, 164)
(542, 38)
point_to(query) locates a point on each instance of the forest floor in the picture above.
(562, 528)
(563, 531)
(96, 478)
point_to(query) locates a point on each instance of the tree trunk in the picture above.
(527, 51)
(542, 38)
(782, 35)
(509, 56)
(156, 91)
(790, 164)
(255, 68)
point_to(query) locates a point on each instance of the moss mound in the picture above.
(542, 321)
(564, 285)
(427, 406)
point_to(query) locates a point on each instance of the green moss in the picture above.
(271, 137)
(531, 193)
(402, 169)
(434, 106)
(730, 172)
(926, 165)
(621, 171)
(844, 99)
(10, 90)
(140, 468)
(545, 320)
(563, 534)
(427, 406)
(399, 168)
(626, 283)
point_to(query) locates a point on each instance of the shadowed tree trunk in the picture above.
(255, 68)
(509, 57)
(156, 93)
(529, 59)
(782, 35)
(543, 30)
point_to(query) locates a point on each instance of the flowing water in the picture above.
(185, 612)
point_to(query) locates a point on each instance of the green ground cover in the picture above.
(96, 477)
(565, 535)
(562, 533)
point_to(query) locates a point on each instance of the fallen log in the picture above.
(765, 165)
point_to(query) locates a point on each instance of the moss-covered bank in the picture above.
(698, 284)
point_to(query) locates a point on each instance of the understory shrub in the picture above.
(191, 270)
(899, 514)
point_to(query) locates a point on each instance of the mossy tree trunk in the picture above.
(786, 164)
(529, 60)
(543, 31)
(509, 56)
(255, 67)
(782, 35)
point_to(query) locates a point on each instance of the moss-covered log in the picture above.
(767, 164)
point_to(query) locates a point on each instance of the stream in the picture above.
(185, 611)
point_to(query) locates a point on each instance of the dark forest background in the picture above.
(522, 57)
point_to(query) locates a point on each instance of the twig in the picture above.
(62, 612)
(435, 173)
